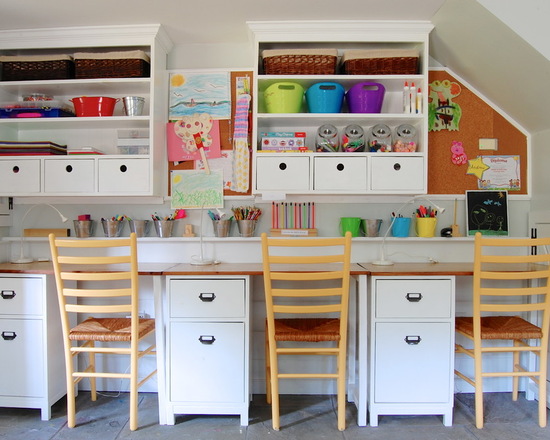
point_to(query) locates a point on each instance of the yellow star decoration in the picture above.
(477, 167)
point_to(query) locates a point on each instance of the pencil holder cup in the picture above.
(371, 226)
(222, 228)
(163, 228)
(140, 227)
(401, 226)
(112, 228)
(84, 228)
(425, 226)
(246, 227)
(352, 224)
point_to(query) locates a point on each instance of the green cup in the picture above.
(352, 224)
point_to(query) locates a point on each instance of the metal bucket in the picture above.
(133, 105)
(84, 228)
(140, 227)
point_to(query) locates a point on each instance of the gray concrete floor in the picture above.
(302, 417)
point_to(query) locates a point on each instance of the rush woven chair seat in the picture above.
(511, 284)
(306, 283)
(97, 286)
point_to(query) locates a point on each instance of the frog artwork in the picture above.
(443, 113)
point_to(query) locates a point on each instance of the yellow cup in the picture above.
(425, 226)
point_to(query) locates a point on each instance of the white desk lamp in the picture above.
(382, 260)
(22, 258)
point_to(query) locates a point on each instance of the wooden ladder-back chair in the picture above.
(98, 281)
(510, 285)
(307, 284)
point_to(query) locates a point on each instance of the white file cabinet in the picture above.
(208, 335)
(32, 371)
(411, 346)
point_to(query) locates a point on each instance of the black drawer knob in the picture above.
(413, 297)
(207, 296)
(8, 336)
(207, 339)
(8, 294)
(413, 340)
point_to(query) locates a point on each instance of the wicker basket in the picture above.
(300, 62)
(380, 62)
(128, 64)
(25, 68)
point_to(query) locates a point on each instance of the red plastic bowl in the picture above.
(94, 105)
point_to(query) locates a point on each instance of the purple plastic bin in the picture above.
(366, 97)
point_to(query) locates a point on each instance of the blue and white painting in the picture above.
(200, 92)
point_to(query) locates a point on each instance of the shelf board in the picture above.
(77, 122)
(79, 87)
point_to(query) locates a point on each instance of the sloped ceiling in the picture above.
(492, 58)
(467, 38)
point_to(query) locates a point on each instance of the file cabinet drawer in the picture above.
(21, 296)
(207, 298)
(413, 298)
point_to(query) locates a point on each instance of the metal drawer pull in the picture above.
(412, 340)
(207, 297)
(207, 340)
(8, 294)
(9, 336)
(413, 297)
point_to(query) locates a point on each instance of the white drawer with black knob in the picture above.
(340, 173)
(282, 173)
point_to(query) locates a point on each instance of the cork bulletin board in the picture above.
(226, 133)
(454, 163)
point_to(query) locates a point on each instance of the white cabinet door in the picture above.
(412, 362)
(282, 173)
(397, 173)
(207, 362)
(340, 173)
(19, 176)
(69, 176)
(124, 176)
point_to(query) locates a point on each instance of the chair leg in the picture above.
(133, 393)
(274, 386)
(341, 392)
(543, 368)
(267, 370)
(478, 391)
(93, 381)
(515, 379)
(71, 393)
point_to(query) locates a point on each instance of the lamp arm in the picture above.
(22, 258)
(382, 255)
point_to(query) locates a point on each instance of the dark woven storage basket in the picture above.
(382, 66)
(36, 70)
(300, 65)
(112, 68)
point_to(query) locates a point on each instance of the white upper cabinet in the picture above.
(297, 85)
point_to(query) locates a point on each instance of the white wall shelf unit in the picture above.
(134, 175)
(279, 171)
